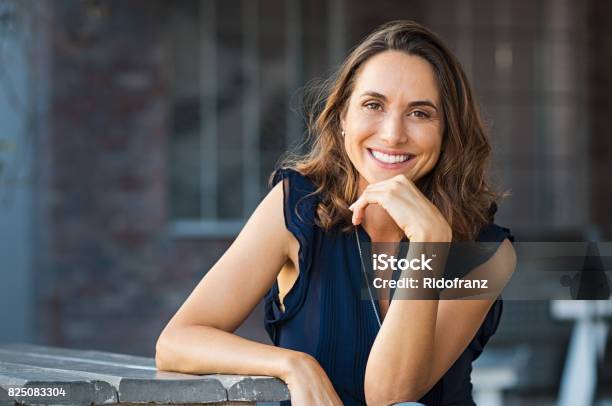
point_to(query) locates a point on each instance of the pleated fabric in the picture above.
(325, 316)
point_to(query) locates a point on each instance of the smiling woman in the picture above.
(397, 153)
(403, 83)
(402, 111)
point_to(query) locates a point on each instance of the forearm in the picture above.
(204, 350)
(401, 356)
(399, 364)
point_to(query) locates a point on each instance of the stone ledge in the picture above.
(96, 377)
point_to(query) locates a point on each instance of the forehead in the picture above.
(397, 75)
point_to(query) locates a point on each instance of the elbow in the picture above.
(390, 393)
(160, 363)
(174, 351)
(163, 360)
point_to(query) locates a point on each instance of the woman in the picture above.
(398, 153)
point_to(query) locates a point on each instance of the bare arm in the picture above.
(199, 338)
(421, 339)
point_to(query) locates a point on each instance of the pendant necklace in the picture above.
(365, 275)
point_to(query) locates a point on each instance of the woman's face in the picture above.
(393, 122)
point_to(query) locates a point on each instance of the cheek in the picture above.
(436, 146)
(358, 129)
(429, 141)
(365, 126)
(362, 123)
(348, 147)
(353, 148)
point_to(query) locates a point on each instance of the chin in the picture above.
(379, 177)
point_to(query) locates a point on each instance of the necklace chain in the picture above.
(365, 275)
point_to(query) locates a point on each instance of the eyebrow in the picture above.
(411, 104)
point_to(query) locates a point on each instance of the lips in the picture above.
(389, 159)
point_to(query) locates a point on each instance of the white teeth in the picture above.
(390, 159)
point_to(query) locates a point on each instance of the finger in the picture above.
(370, 187)
(399, 186)
(358, 208)
(372, 191)
(368, 197)
(379, 191)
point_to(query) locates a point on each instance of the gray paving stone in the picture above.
(79, 390)
(93, 375)
(89, 355)
(263, 388)
(133, 383)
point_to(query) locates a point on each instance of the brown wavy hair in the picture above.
(456, 185)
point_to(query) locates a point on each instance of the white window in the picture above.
(237, 68)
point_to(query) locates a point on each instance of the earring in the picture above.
(343, 133)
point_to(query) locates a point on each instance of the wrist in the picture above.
(432, 237)
(292, 363)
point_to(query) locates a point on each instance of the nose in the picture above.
(393, 130)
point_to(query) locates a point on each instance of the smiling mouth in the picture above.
(389, 159)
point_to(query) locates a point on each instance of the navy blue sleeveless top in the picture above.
(325, 316)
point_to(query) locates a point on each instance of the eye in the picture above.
(373, 105)
(420, 114)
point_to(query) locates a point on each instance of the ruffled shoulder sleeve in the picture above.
(299, 202)
(299, 206)
(494, 234)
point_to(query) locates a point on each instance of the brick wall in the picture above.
(110, 274)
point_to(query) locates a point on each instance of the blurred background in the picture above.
(137, 136)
